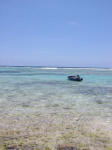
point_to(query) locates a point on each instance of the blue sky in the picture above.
(56, 32)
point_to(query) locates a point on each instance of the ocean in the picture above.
(43, 98)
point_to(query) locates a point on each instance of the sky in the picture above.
(72, 33)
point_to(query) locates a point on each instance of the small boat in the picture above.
(75, 78)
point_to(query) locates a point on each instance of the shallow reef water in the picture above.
(40, 106)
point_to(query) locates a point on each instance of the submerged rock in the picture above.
(99, 101)
(67, 147)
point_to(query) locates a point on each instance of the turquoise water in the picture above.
(40, 106)
(31, 90)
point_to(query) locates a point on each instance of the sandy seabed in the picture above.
(67, 130)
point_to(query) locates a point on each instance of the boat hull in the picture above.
(74, 78)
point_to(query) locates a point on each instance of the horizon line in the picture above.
(53, 66)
